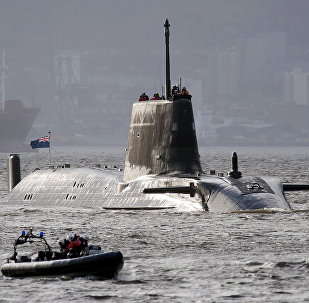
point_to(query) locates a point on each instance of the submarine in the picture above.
(162, 170)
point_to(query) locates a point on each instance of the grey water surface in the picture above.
(173, 256)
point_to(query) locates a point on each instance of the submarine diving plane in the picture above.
(162, 170)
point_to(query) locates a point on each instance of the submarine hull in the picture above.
(104, 188)
(95, 188)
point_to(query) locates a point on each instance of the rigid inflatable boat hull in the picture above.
(104, 265)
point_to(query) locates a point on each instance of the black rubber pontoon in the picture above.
(104, 265)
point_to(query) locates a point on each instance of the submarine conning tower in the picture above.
(162, 139)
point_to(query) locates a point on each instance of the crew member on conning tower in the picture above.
(143, 97)
(156, 96)
(175, 90)
(184, 91)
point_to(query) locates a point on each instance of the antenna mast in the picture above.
(167, 60)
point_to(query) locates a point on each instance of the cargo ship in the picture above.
(16, 120)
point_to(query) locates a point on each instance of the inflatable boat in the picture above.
(96, 263)
(104, 265)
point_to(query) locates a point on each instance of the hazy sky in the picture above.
(130, 34)
(37, 24)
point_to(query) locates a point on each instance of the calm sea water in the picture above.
(173, 256)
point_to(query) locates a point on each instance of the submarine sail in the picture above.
(162, 138)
